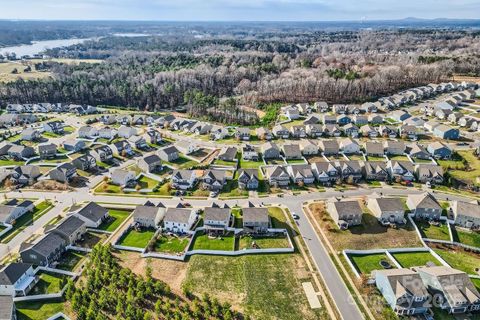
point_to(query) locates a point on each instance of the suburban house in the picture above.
(108, 119)
(368, 131)
(408, 131)
(375, 170)
(270, 151)
(424, 206)
(312, 119)
(291, 151)
(454, 290)
(417, 151)
(446, 132)
(242, 134)
(403, 290)
(74, 145)
(331, 130)
(107, 133)
(394, 147)
(30, 134)
(314, 130)
(329, 147)
(151, 163)
(349, 146)
(466, 214)
(126, 132)
(301, 173)
(20, 152)
(400, 115)
(429, 173)
(152, 137)
(350, 130)
(388, 131)
(402, 170)
(179, 220)
(44, 252)
(183, 179)
(439, 150)
(277, 176)
(123, 178)
(47, 150)
(92, 214)
(264, 134)
(375, 119)
(228, 154)
(102, 153)
(349, 170)
(121, 147)
(85, 162)
(280, 132)
(248, 179)
(325, 172)
(360, 120)
(216, 220)
(308, 147)
(345, 213)
(374, 149)
(16, 279)
(54, 127)
(71, 229)
(138, 141)
(218, 133)
(148, 216)
(168, 154)
(250, 153)
(298, 132)
(87, 132)
(255, 220)
(343, 119)
(12, 210)
(25, 175)
(63, 173)
(387, 210)
(186, 147)
(214, 180)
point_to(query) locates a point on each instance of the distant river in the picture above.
(39, 46)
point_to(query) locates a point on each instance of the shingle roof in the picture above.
(11, 273)
(216, 214)
(178, 215)
(93, 212)
(70, 225)
(255, 215)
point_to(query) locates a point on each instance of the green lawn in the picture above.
(367, 263)
(11, 163)
(262, 286)
(70, 260)
(108, 188)
(476, 282)
(399, 158)
(231, 189)
(473, 163)
(220, 162)
(372, 158)
(26, 220)
(467, 237)
(182, 162)
(203, 242)
(246, 242)
(374, 183)
(415, 259)
(237, 214)
(137, 239)
(171, 244)
(250, 164)
(147, 183)
(296, 161)
(117, 216)
(48, 283)
(433, 232)
(34, 310)
(460, 259)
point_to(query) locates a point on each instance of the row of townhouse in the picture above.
(51, 107)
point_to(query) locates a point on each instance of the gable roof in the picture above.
(12, 272)
(92, 212)
(424, 201)
(255, 215)
(216, 214)
(177, 215)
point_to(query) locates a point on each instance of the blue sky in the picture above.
(268, 10)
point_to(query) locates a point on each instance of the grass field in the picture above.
(460, 259)
(48, 283)
(246, 242)
(70, 260)
(203, 242)
(474, 165)
(262, 286)
(369, 235)
(170, 244)
(467, 237)
(249, 164)
(137, 239)
(7, 68)
(415, 259)
(34, 310)
(11, 163)
(433, 232)
(367, 263)
(117, 216)
(182, 162)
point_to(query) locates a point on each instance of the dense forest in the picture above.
(203, 65)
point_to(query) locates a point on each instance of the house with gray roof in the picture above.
(387, 210)
(329, 147)
(277, 176)
(47, 150)
(168, 154)
(345, 213)
(403, 290)
(12, 210)
(102, 153)
(85, 162)
(151, 163)
(16, 279)
(214, 180)
(439, 150)
(44, 252)
(25, 175)
(228, 154)
(424, 206)
(280, 132)
(325, 172)
(74, 145)
(183, 179)
(403, 170)
(255, 220)
(248, 179)
(217, 220)
(374, 149)
(71, 229)
(63, 173)
(375, 170)
(445, 132)
(30, 134)
(350, 170)
(466, 214)
(20, 152)
(123, 178)
(242, 134)
(270, 150)
(179, 220)
(429, 173)
(148, 216)
(291, 151)
(301, 173)
(92, 214)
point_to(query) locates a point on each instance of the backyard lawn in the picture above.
(399, 158)
(220, 162)
(246, 242)
(70, 260)
(90, 239)
(470, 238)
(296, 161)
(433, 232)
(261, 286)
(49, 283)
(367, 263)
(182, 162)
(476, 282)
(204, 242)
(137, 239)
(460, 259)
(415, 259)
(33, 310)
(147, 183)
(11, 163)
(171, 244)
(231, 189)
(117, 216)
(372, 158)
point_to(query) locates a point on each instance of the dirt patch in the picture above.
(51, 185)
(168, 271)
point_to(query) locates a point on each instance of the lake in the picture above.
(39, 46)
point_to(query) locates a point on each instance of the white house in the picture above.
(179, 220)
